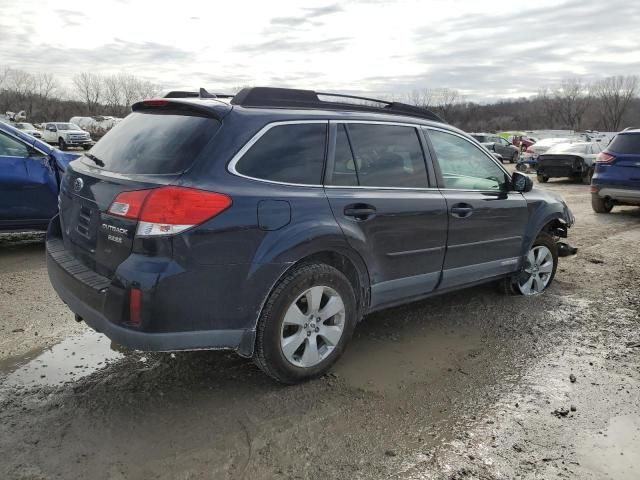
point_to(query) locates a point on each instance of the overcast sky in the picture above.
(487, 49)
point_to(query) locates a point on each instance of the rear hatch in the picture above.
(626, 149)
(151, 147)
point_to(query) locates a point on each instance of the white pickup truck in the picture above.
(66, 135)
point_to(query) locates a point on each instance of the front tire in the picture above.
(306, 323)
(601, 205)
(515, 157)
(538, 269)
(61, 144)
(543, 178)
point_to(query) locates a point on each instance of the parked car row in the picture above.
(503, 149)
(62, 134)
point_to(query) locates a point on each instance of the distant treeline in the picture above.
(43, 98)
(609, 104)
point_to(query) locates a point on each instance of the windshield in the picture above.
(25, 126)
(67, 126)
(569, 147)
(153, 143)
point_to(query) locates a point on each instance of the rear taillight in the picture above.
(605, 157)
(595, 188)
(135, 306)
(168, 210)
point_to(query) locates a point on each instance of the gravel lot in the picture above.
(472, 384)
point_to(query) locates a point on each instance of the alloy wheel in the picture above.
(312, 327)
(537, 271)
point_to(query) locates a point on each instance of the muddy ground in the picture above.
(468, 385)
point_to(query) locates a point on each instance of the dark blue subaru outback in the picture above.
(271, 224)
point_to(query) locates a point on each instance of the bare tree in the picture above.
(4, 76)
(89, 88)
(572, 100)
(615, 94)
(445, 100)
(113, 92)
(420, 98)
(21, 83)
(45, 85)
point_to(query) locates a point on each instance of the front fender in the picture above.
(544, 208)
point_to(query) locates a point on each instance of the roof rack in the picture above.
(200, 94)
(294, 98)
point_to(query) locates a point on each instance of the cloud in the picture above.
(71, 18)
(289, 44)
(321, 11)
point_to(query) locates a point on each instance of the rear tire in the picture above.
(543, 178)
(601, 205)
(538, 270)
(521, 167)
(298, 335)
(514, 157)
(586, 178)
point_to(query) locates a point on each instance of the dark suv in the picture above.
(272, 224)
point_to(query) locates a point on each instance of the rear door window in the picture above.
(626, 143)
(153, 143)
(382, 156)
(292, 153)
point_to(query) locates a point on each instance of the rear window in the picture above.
(626, 143)
(287, 153)
(153, 143)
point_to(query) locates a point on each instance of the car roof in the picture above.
(631, 130)
(26, 138)
(294, 102)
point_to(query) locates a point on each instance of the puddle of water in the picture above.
(73, 358)
(385, 365)
(613, 454)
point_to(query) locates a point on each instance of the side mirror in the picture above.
(521, 182)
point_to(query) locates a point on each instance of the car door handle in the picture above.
(360, 212)
(461, 210)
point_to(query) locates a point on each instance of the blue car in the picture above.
(616, 180)
(30, 172)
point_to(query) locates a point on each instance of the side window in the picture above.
(10, 147)
(344, 168)
(287, 153)
(464, 166)
(387, 156)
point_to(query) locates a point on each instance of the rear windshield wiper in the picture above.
(95, 159)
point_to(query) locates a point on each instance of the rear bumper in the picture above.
(79, 297)
(621, 194)
(558, 171)
(202, 307)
